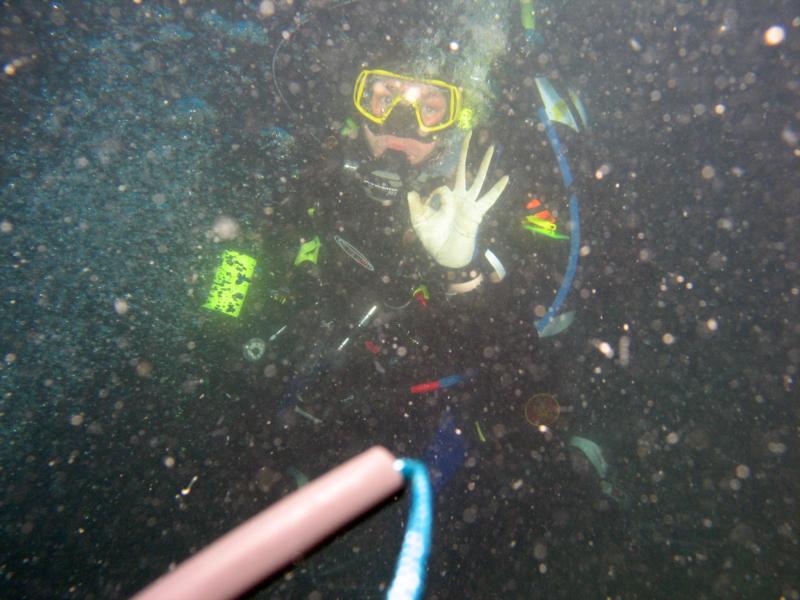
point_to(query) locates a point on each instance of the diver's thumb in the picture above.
(416, 207)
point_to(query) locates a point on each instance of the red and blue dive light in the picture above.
(429, 386)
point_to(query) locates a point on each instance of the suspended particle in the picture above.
(774, 35)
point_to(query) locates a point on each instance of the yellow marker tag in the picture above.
(309, 252)
(231, 282)
(541, 223)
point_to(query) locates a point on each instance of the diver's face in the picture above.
(405, 104)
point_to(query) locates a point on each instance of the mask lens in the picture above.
(381, 95)
(433, 106)
(377, 94)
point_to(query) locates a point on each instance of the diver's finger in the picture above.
(488, 200)
(461, 173)
(477, 183)
(446, 204)
(416, 207)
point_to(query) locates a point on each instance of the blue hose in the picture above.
(409, 575)
(572, 266)
(574, 217)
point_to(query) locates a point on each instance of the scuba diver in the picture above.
(415, 266)
(421, 218)
(433, 244)
(417, 247)
(436, 239)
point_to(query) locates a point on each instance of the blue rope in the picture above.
(574, 217)
(409, 575)
(555, 143)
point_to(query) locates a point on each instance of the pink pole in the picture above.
(279, 534)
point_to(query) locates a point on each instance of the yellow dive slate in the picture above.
(231, 282)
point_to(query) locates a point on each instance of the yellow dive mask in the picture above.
(436, 104)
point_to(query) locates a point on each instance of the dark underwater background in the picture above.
(133, 432)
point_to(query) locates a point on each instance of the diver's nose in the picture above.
(402, 121)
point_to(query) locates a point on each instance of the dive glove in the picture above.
(448, 227)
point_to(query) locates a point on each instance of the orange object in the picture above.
(542, 409)
(544, 215)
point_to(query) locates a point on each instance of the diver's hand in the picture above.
(448, 231)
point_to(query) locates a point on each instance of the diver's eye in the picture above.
(381, 103)
(431, 114)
